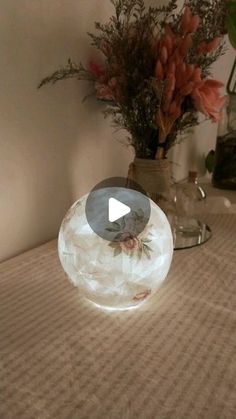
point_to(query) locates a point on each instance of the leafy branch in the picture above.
(71, 70)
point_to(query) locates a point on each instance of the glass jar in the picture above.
(190, 200)
(224, 175)
(187, 226)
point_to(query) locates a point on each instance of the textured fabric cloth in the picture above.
(153, 175)
(173, 358)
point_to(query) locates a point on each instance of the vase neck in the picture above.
(192, 177)
(160, 154)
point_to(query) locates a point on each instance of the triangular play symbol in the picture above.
(117, 210)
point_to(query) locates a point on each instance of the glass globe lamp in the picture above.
(115, 275)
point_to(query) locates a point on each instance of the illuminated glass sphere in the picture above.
(116, 275)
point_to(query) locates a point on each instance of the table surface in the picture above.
(173, 358)
(216, 192)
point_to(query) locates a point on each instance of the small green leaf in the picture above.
(145, 246)
(146, 240)
(147, 253)
(116, 226)
(140, 253)
(122, 225)
(231, 27)
(210, 161)
(118, 237)
(230, 6)
(117, 251)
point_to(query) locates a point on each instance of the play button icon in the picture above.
(115, 211)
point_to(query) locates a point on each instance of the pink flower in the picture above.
(197, 75)
(189, 23)
(168, 42)
(185, 45)
(189, 71)
(187, 89)
(159, 71)
(205, 48)
(171, 67)
(193, 27)
(169, 92)
(96, 70)
(103, 91)
(164, 55)
(112, 83)
(130, 243)
(211, 46)
(108, 90)
(202, 48)
(175, 109)
(180, 74)
(207, 99)
(182, 79)
(186, 20)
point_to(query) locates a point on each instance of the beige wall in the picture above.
(53, 147)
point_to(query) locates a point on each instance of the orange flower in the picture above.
(207, 48)
(193, 27)
(207, 99)
(189, 71)
(211, 46)
(180, 77)
(189, 23)
(185, 45)
(159, 71)
(164, 55)
(183, 79)
(168, 42)
(186, 20)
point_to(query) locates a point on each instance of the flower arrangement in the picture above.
(155, 73)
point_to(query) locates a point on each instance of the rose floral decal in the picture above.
(132, 246)
(126, 241)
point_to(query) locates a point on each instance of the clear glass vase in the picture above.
(187, 226)
(190, 200)
(182, 203)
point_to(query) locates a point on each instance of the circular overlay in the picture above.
(120, 274)
(108, 200)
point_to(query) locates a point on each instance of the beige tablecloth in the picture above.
(174, 358)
